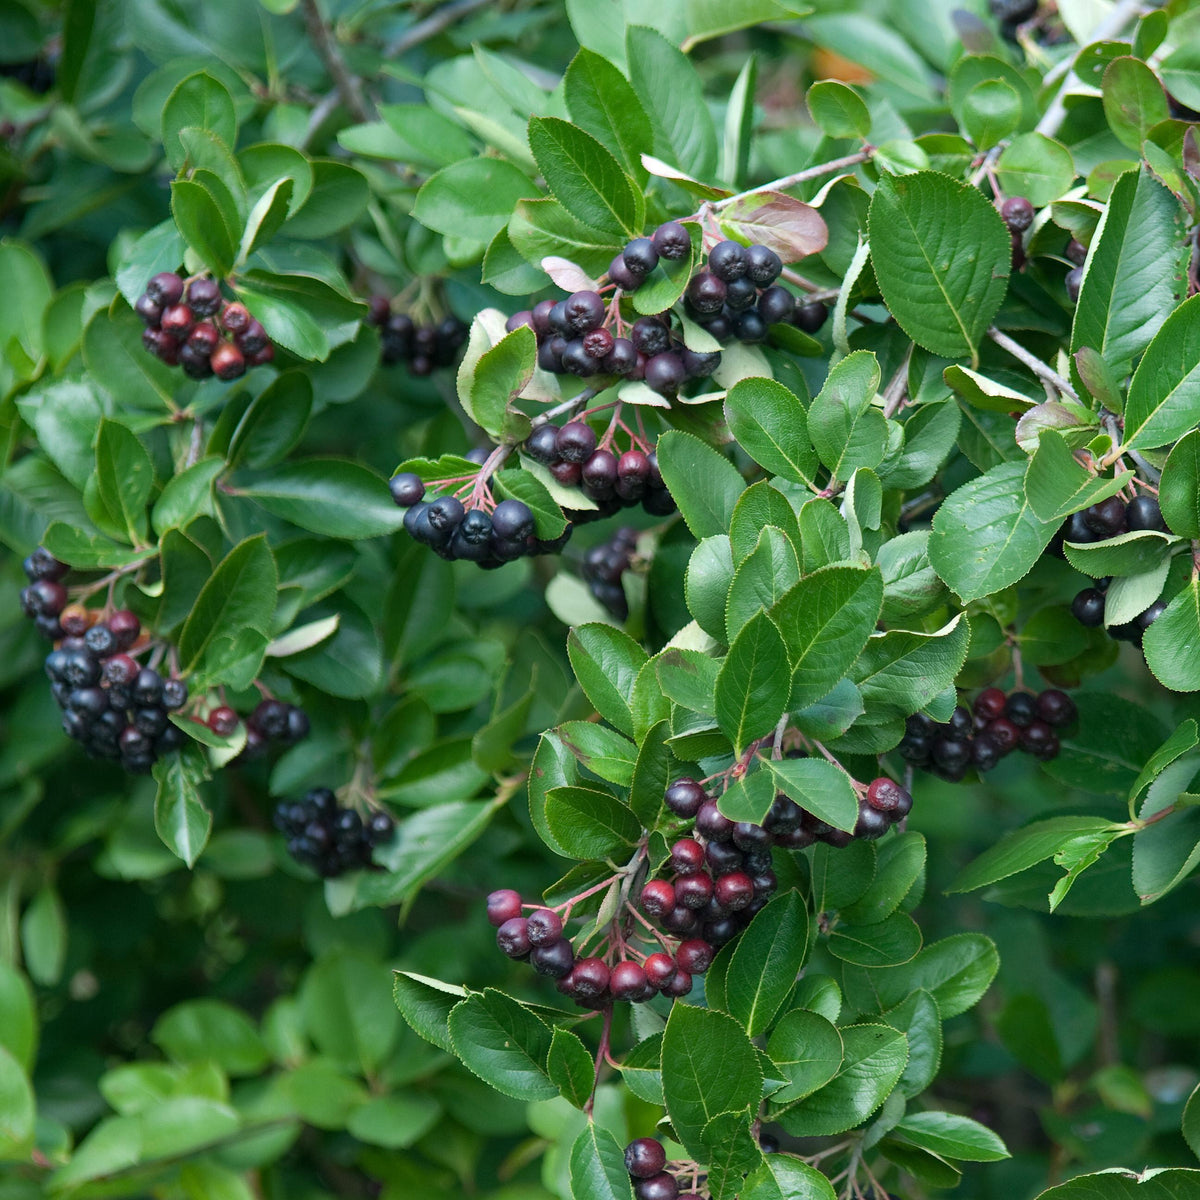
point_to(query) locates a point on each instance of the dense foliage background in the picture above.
(871, 527)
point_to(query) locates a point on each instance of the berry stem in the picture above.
(787, 181)
(1044, 372)
(602, 1054)
(567, 406)
(654, 932)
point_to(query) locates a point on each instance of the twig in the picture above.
(319, 115)
(347, 83)
(1054, 116)
(893, 394)
(441, 18)
(1045, 373)
(825, 168)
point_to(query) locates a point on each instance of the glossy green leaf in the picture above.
(504, 1043)
(766, 960)
(1164, 395)
(753, 683)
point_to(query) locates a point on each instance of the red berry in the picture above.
(657, 898)
(545, 927)
(235, 317)
(887, 796)
(687, 855)
(645, 1157)
(989, 703)
(734, 891)
(589, 978)
(627, 980)
(176, 321)
(694, 891)
(228, 362)
(222, 721)
(694, 956)
(502, 906)
(659, 969)
(125, 628)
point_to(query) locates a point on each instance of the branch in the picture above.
(1040, 369)
(349, 86)
(825, 168)
(441, 18)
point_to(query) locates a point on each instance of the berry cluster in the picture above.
(271, 721)
(420, 347)
(646, 1162)
(713, 884)
(995, 726)
(613, 481)
(328, 838)
(603, 567)
(1095, 524)
(183, 328)
(454, 531)
(112, 705)
(1011, 13)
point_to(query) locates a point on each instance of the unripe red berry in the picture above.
(222, 721)
(657, 898)
(694, 891)
(235, 317)
(176, 321)
(503, 905)
(887, 796)
(228, 362)
(687, 855)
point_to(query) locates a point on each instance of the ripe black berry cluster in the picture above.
(613, 481)
(712, 885)
(111, 704)
(995, 726)
(603, 567)
(420, 347)
(272, 721)
(183, 328)
(646, 1162)
(1095, 524)
(329, 838)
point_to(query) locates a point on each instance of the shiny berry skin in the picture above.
(684, 797)
(640, 257)
(694, 891)
(235, 317)
(627, 980)
(554, 959)
(125, 627)
(809, 316)
(121, 670)
(1017, 213)
(1035, 737)
(1073, 281)
(658, 1187)
(694, 956)
(543, 926)
(951, 752)
(575, 442)
(503, 905)
(658, 898)
(584, 311)
(541, 445)
(1004, 733)
(222, 721)
(727, 261)
(598, 343)
(1088, 608)
(1056, 708)
(1107, 518)
(706, 293)
(748, 837)
(407, 488)
(166, 288)
(649, 336)
(712, 824)
(621, 359)
(871, 822)
(177, 321)
(622, 276)
(700, 364)
(659, 969)
(1021, 709)
(512, 520)
(645, 1157)
(888, 797)
(228, 362)
(723, 857)
(576, 360)
(566, 473)
(203, 297)
(589, 978)
(633, 464)
(985, 754)
(174, 694)
(763, 265)
(149, 310)
(672, 241)
(1076, 252)
(680, 920)
(734, 891)
(989, 704)
(253, 339)
(513, 938)
(1143, 512)
(599, 472)
(1147, 618)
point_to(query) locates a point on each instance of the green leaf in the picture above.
(332, 497)
(338, 197)
(240, 594)
(18, 1017)
(739, 123)
(1179, 491)
(673, 98)
(709, 1067)
(839, 110)
(874, 1059)
(919, 1020)
(606, 662)
(766, 960)
(570, 1067)
(904, 671)
(704, 483)
(847, 429)
(750, 797)
(1058, 484)
(753, 683)
(825, 621)
(302, 313)
(758, 506)
(207, 1030)
(124, 477)
(895, 939)
(731, 1152)
(585, 178)
(991, 110)
(1036, 167)
(952, 1136)
(542, 228)
(116, 360)
(186, 496)
(266, 218)
(942, 256)
(199, 101)
(782, 1177)
(818, 787)
(589, 823)
(651, 774)
(274, 423)
(986, 534)
(204, 225)
(425, 1004)
(473, 198)
(1134, 100)
(1191, 1122)
(598, 1164)
(181, 817)
(504, 1043)
(603, 751)
(771, 425)
(806, 1049)
(1117, 1184)
(955, 971)
(44, 937)
(1126, 554)
(17, 1108)
(602, 103)
(348, 1010)
(1133, 273)
(1172, 643)
(1164, 395)
(761, 579)
(500, 375)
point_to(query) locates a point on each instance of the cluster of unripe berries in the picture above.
(330, 839)
(1096, 524)
(112, 705)
(420, 347)
(191, 325)
(994, 726)
(713, 885)
(603, 566)
(613, 481)
(646, 1162)
(454, 531)
(271, 721)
